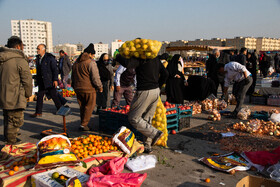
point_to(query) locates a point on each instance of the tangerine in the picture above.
(207, 180)
(16, 168)
(11, 172)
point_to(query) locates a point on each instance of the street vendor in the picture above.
(150, 76)
(235, 72)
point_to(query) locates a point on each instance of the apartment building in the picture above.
(101, 48)
(268, 44)
(239, 42)
(213, 42)
(70, 49)
(32, 33)
(116, 44)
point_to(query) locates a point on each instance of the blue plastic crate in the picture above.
(172, 124)
(172, 117)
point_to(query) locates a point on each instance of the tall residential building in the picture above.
(32, 33)
(116, 44)
(101, 48)
(268, 44)
(239, 42)
(213, 42)
(80, 47)
(70, 49)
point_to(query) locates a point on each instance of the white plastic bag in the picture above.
(275, 117)
(141, 163)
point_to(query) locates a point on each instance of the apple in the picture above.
(127, 107)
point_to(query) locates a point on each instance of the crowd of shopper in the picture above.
(138, 80)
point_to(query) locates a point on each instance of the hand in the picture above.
(177, 76)
(112, 88)
(101, 90)
(118, 88)
(55, 84)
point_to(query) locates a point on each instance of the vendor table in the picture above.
(269, 91)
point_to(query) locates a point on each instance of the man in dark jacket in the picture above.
(211, 68)
(15, 87)
(46, 79)
(150, 76)
(241, 58)
(64, 66)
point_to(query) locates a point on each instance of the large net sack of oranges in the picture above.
(160, 122)
(54, 151)
(140, 48)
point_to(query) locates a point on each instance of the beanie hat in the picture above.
(90, 49)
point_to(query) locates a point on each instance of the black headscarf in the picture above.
(172, 66)
(103, 71)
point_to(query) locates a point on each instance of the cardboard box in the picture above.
(45, 179)
(253, 181)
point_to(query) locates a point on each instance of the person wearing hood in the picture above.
(175, 82)
(107, 78)
(85, 81)
(16, 87)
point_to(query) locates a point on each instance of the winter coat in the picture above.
(85, 75)
(66, 66)
(15, 79)
(47, 71)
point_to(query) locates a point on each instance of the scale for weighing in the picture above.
(63, 111)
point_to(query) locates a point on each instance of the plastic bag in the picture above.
(141, 163)
(160, 122)
(114, 166)
(275, 117)
(124, 138)
(222, 105)
(54, 151)
(244, 113)
(119, 180)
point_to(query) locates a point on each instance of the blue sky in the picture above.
(88, 21)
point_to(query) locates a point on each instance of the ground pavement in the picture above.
(173, 169)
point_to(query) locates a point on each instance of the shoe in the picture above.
(35, 115)
(148, 150)
(157, 137)
(13, 143)
(84, 128)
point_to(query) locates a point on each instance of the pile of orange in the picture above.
(23, 162)
(90, 145)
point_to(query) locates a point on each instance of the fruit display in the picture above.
(168, 105)
(24, 161)
(171, 112)
(140, 48)
(222, 105)
(214, 115)
(259, 127)
(67, 93)
(119, 109)
(159, 121)
(207, 104)
(196, 108)
(85, 146)
(33, 71)
(184, 107)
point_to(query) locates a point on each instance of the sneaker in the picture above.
(148, 150)
(35, 115)
(84, 128)
(157, 137)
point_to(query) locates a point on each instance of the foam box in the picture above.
(45, 179)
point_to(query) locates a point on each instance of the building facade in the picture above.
(116, 44)
(32, 33)
(268, 44)
(239, 42)
(101, 48)
(80, 47)
(70, 49)
(213, 42)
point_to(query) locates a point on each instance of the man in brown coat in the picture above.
(85, 81)
(15, 87)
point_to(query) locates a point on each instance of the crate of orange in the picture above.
(86, 146)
